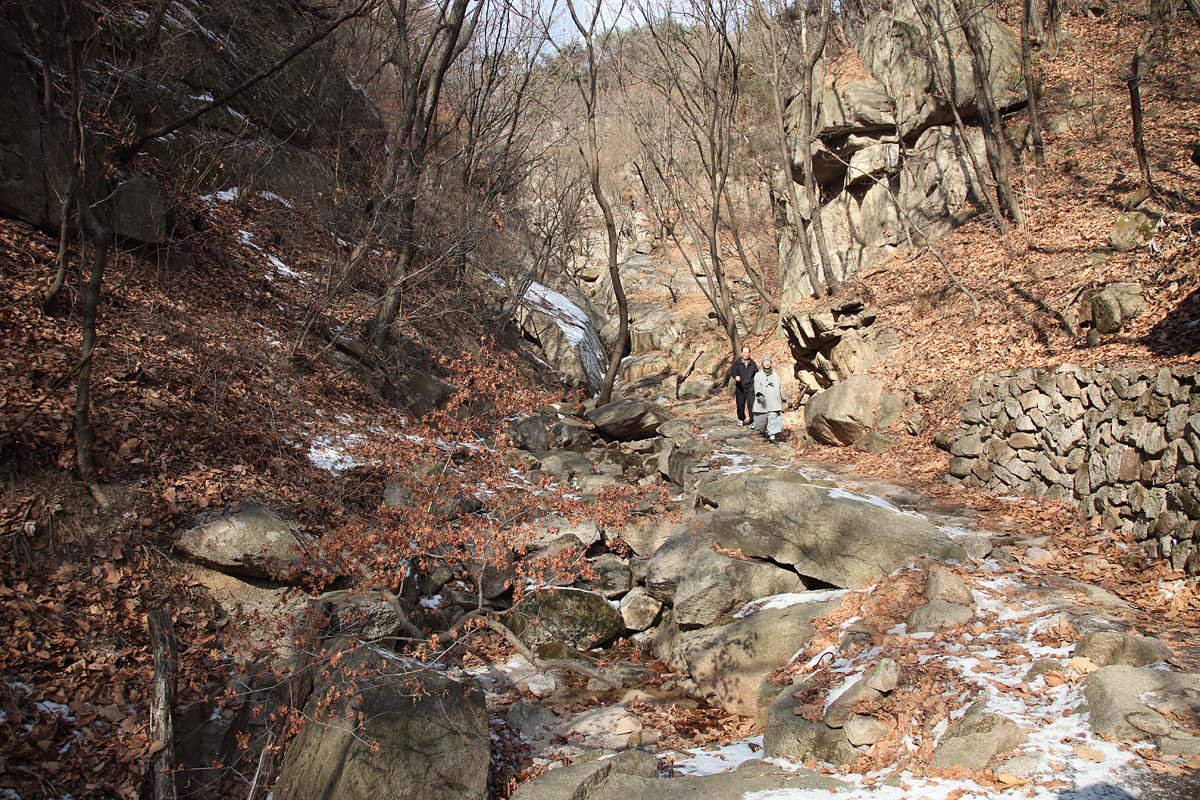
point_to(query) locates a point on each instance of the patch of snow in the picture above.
(284, 269)
(224, 196)
(52, 708)
(723, 759)
(838, 493)
(203, 98)
(277, 199)
(329, 453)
(431, 602)
(789, 599)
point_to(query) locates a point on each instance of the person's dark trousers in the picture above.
(744, 399)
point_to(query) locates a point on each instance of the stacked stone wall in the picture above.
(1123, 444)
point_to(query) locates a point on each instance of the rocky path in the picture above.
(884, 643)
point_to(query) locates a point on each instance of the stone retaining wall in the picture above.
(1122, 443)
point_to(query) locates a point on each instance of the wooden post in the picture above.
(162, 705)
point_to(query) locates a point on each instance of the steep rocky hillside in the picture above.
(258, 543)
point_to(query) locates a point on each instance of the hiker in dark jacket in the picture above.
(743, 372)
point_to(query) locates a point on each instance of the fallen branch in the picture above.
(162, 704)
(548, 664)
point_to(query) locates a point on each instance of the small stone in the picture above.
(884, 676)
(842, 709)
(1150, 722)
(1022, 441)
(938, 614)
(540, 685)
(961, 467)
(862, 730)
(969, 446)
(639, 609)
(943, 584)
(1037, 556)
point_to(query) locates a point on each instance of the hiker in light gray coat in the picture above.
(768, 401)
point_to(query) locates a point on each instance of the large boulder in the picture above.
(1105, 648)
(625, 776)
(565, 333)
(379, 728)
(976, 739)
(787, 734)
(575, 617)
(717, 585)
(729, 662)
(627, 419)
(829, 534)
(139, 207)
(251, 541)
(1127, 702)
(896, 46)
(423, 393)
(841, 414)
(530, 433)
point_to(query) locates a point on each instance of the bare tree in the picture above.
(1028, 17)
(999, 153)
(775, 39)
(696, 74)
(590, 26)
(421, 43)
(812, 46)
(1150, 50)
(946, 85)
(71, 33)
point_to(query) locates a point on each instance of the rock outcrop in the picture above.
(562, 328)
(829, 346)
(827, 534)
(391, 729)
(885, 150)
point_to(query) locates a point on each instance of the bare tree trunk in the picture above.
(756, 278)
(162, 705)
(614, 272)
(64, 235)
(812, 56)
(998, 152)
(1031, 84)
(1145, 58)
(85, 435)
(770, 24)
(589, 91)
(1052, 28)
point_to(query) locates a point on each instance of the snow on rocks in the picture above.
(579, 346)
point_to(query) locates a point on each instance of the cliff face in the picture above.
(140, 71)
(886, 154)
